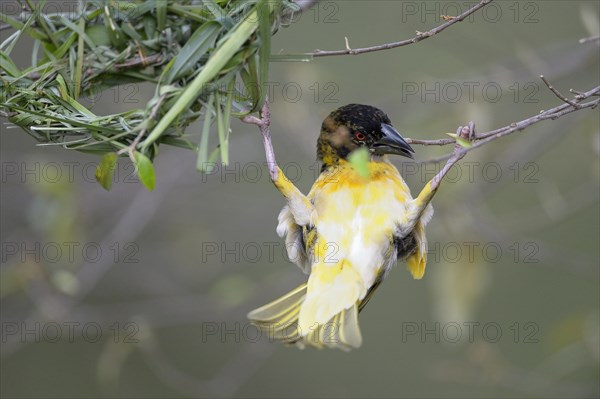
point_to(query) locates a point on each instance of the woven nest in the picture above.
(205, 58)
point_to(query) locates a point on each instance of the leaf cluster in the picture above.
(205, 59)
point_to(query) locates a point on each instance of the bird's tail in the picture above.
(280, 319)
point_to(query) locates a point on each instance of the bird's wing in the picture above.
(416, 262)
(294, 240)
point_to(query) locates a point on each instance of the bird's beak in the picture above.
(391, 143)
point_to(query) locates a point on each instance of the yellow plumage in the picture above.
(347, 243)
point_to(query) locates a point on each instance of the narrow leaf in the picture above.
(264, 53)
(460, 141)
(211, 69)
(144, 170)
(198, 44)
(8, 65)
(203, 147)
(359, 160)
(161, 14)
(105, 170)
(463, 143)
(223, 142)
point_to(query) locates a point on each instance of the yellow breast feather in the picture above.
(347, 248)
(357, 221)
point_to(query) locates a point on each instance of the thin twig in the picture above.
(430, 142)
(553, 113)
(350, 51)
(464, 132)
(131, 148)
(420, 36)
(558, 93)
(141, 61)
(306, 4)
(477, 139)
(589, 39)
(263, 124)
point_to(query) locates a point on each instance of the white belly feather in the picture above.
(358, 223)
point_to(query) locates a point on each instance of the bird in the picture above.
(348, 232)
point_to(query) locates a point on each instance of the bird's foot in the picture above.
(264, 123)
(463, 133)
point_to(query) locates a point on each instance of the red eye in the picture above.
(360, 136)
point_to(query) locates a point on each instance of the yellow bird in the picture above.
(348, 232)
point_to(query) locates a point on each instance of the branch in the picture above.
(420, 36)
(553, 113)
(303, 5)
(263, 124)
(589, 39)
(306, 4)
(558, 93)
(465, 133)
(481, 139)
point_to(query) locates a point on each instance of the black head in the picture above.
(354, 126)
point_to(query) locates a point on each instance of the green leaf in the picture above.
(78, 30)
(223, 135)
(463, 143)
(80, 56)
(203, 147)
(198, 44)
(179, 142)
(212, 68)
(213, 156)
(264, 53)
(8, 45)
(105, 170)
(220, 15)
(130, 31)
(64, 92)
(460, 141)
(359, 160)
(8, 65)
(161, 14)
(144, 170)
(98, 35)
(70, 121)
(249, 76)
(17, 25)
(228, 104)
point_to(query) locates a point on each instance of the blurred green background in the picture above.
(131, 293)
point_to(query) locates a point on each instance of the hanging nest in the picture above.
(206, 59)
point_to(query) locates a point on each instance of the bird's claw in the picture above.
(265, 117)
(466, 133)
(471, 133)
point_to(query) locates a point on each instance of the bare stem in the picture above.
(464, 132)
(558, 93)
(589, 39)
(480, 139)
(449, 21)
(264, 124)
